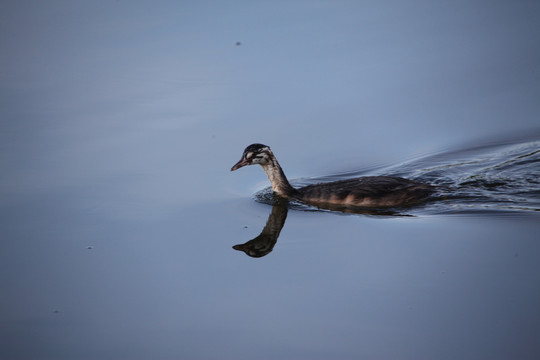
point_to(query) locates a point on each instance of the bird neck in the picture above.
(277, 178)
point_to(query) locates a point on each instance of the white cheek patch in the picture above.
(249, 155)
(260, 159)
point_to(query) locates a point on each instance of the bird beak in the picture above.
(241, 163)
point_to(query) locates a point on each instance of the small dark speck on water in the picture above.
(238, 43)
(90, 247)
(245, 227)
(56, 311)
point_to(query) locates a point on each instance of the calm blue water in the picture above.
(119, 122)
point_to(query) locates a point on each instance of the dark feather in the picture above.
(366, 191)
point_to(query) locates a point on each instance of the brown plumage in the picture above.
(368, 191)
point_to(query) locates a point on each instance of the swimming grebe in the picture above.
(368, 191)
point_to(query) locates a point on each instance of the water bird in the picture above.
(363, 192)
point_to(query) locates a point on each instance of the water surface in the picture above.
(120, 122)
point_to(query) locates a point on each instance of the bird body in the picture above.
(368, 191)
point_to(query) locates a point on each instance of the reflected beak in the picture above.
(241, 163)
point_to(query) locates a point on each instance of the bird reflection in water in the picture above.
(263, 244)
